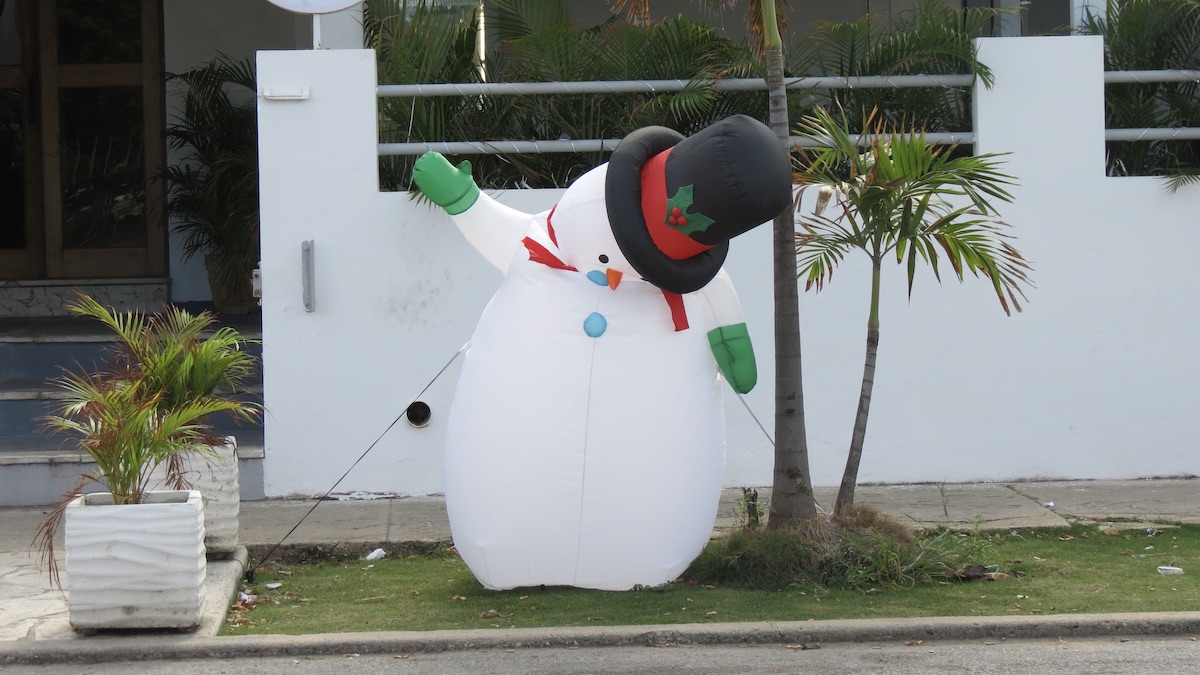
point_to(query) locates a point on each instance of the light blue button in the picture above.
(595, 324)
(597, 277)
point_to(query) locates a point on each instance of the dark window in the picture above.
(103, 172)
(12, 169)
(89, 36)
(10, 33)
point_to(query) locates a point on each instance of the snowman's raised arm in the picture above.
(495, 230)
(728, 336)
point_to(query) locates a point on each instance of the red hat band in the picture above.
(673, 243)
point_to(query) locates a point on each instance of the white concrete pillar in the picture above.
(341, 30)
(1047, 100)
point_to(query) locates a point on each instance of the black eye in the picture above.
(604, 258)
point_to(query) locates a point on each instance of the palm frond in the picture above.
(898, 194)
(978, 245)
(822, 242)
(817, 258)
(1182, 179)
(636, 12)
(516, 19)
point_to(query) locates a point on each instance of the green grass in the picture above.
(1051, 571)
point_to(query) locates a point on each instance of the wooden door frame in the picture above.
(44, 256)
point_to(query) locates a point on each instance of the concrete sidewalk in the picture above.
(33, 616)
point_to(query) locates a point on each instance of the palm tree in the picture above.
(792, 498)
(791, 485)
(899, 196)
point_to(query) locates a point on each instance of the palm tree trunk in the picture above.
(791, 494)
(845, 498)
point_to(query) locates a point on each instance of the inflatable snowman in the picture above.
(586, 442)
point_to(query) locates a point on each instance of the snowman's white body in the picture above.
(576, 460)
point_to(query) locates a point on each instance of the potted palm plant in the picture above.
(135, 554)
(212, 188)
(135, 557)
(182, 358)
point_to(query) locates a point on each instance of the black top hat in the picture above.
(674, 203)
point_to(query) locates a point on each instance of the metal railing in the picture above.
(491, 147)
(1146, 77)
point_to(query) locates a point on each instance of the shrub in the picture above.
(862, 549)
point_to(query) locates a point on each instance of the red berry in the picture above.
(681, 221)
(676, 211)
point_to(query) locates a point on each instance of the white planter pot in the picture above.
(135, 565)
(218, 485)
(217, 481)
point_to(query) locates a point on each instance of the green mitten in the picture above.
(735, 356)
(447, 186)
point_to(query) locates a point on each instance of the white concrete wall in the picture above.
(1093, 380)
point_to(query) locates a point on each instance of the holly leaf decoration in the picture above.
(680, 218)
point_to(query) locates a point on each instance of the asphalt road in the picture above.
(1112, 656)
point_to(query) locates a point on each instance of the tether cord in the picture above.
(754, 417)
(249, 576)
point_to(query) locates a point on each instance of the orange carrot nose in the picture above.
(614, 278)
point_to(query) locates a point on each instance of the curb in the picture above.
(222, 582)
(811, 633)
